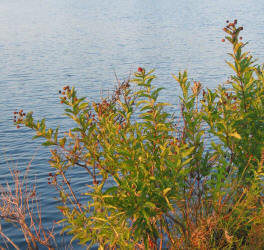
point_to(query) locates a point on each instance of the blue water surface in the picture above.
(47, 44)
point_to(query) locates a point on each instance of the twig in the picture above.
(8, 239)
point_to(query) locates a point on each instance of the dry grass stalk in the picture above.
(19, 206)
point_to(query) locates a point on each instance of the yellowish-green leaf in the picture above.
(236, 135)
(231, 66)
(166, 190)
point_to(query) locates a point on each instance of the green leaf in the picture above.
(161, 104)
(150, 205)
(187, 152)
(48, 143)
(83, 105)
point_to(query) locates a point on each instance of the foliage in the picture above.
(197, 184)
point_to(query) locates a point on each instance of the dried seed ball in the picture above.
(18, 126)
(227, 21)
(63, 93)
(241, 38)
(235, 21)
(59, 91)
(61, 102)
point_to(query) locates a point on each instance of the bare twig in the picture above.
(8, 239)
(18, 205)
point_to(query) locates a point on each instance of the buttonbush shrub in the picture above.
(193, 183)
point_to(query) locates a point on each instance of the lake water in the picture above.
(46, 44)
